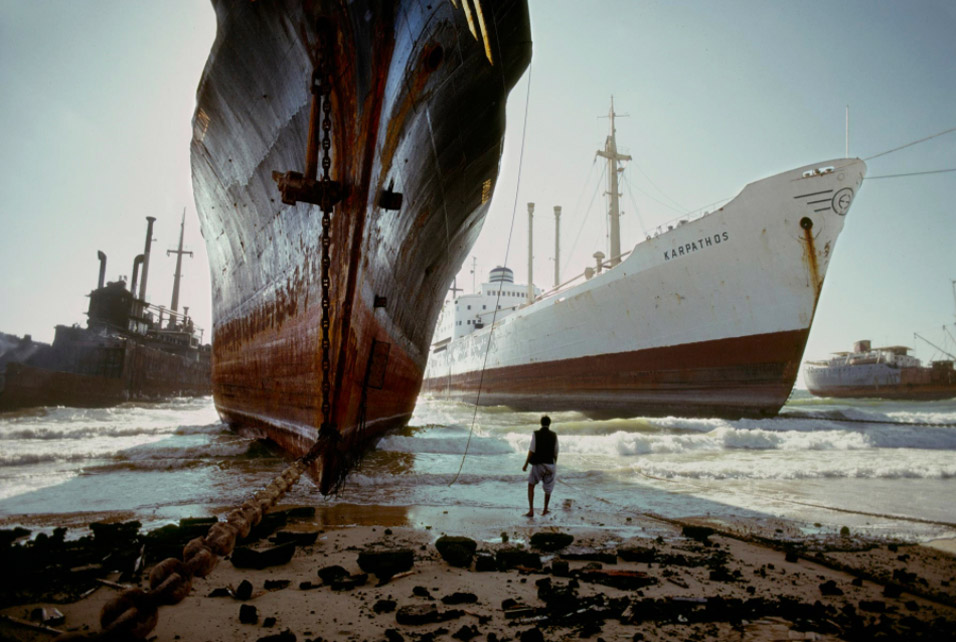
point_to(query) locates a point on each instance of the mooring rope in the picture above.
(494, 315)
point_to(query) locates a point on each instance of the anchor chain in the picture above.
(133, 613)
(327, 206)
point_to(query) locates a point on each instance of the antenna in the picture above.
(847, 149)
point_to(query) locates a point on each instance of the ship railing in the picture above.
(173, 320)
(589, 272)
(693, 215)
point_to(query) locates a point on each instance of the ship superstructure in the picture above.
(709, 317)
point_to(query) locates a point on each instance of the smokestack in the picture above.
(149, 241)
(136, 263)
(102, 258)
(557, 245)
(530, 252)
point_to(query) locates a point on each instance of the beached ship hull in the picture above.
(417, 110)
(709, 318)
(882, 381)
(83, 369)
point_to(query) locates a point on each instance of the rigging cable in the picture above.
(567, 261)
(915, 142)
(932, 171)
(494, 316)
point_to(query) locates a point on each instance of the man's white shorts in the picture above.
(544, 473)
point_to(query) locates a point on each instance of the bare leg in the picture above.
(547, 499)
(530, 512)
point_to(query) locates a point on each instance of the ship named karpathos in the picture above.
(343, 159)
(708, 318)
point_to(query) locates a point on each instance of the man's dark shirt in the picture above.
(544, 441)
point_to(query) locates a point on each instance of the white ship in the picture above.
(707, 318)
(888, 373)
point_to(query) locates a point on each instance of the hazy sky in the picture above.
(97, 100)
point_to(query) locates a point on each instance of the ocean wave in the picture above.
(34, 458)
(838, 466)
(68, 431)
(720, 439)
(444, 445)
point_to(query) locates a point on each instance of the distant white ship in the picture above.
(707, 318)
(887, 373)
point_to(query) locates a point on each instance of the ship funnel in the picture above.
(102, 257)
(530, 252)
(149, 241)
(599, 258)
(501, 275)
(136, 263)
(557, 245)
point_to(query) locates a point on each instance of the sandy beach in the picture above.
(637, 578)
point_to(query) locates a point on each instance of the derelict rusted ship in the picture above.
(412, 98)
(129, 350)
(881, 373)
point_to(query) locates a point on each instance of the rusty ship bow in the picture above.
(411, 99)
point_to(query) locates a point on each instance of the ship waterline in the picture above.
(417, 115)
(709, 318)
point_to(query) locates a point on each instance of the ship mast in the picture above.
(610, 153)
(174, 305)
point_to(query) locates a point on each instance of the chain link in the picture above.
(326, 245)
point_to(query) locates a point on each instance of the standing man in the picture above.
(543, 457)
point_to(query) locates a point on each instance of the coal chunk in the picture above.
(699, 533)
(830, 588)
(384, 606)
(457, 551)
(248, 614)
(329, 574)
(299, 538)
(243, 557)
(550, 542)
(425, 614)
(386, 563)
(244, 590)
(513, 557)
(485, 562)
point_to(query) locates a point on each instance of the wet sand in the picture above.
(623, 578)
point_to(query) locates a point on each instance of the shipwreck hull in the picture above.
(709, 318)
(881, 381)
(87, 375)
(902, 392)
(417, 110)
